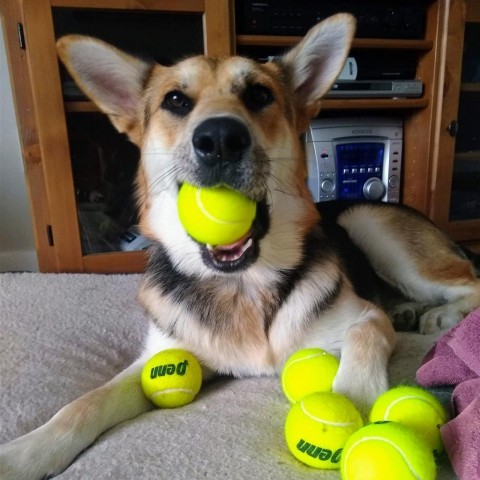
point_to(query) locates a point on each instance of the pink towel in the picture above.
(461, 437)
(455, 356)
(455, 360)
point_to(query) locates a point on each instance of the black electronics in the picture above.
(354, 158)
(376, 89)
(375, 18)
(380, 65)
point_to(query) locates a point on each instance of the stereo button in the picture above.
(393, 181)
(327, 186)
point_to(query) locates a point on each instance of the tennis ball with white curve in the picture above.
(387, 451)
(414, 407)
(215, 216)
(318, 426)
(308, 370)
(171, 378)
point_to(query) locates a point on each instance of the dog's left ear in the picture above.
(313, 65)
(112, 79)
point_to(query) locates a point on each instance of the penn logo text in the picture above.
(169, 369)
(323, 454)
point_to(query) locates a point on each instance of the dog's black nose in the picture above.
(220, 140)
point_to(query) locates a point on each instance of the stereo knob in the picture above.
(393, 181)
(373, 189)
(327, 186)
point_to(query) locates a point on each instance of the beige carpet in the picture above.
(62, 335)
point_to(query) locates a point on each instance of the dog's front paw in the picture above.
(360, 389)
(439, 318)
(28, 458)
(406, 316)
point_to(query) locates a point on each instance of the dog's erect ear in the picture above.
(313, 65)
(112, 79)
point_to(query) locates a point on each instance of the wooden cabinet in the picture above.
(455, 204)
(51, 122)
(51, 126)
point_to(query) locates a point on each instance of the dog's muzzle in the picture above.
(223, 149)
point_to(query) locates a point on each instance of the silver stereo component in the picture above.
(375, 88)
(355, 158)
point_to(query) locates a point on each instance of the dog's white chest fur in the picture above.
(253, 325)
(230, 338)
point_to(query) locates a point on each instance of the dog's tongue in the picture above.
(235, 244)
(232, 251)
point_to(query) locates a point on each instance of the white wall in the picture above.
(17, 247)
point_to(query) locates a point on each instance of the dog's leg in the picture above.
(49, 449)
(411, 254)
(362, 375)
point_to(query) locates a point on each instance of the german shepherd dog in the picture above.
(298, 279)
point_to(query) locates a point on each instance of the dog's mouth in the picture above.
(229, 256)
(243, 252)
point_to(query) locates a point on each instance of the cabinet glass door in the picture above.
(104, 162)
(465, 193)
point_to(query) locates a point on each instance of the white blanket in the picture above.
(63, 334)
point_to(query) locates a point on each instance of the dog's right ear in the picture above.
(313, 65)
(112, 79)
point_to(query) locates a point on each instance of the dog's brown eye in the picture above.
(177, 103)
(256, 97)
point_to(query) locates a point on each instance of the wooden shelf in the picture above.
(374, 103)
(461, 230)
(287, 41)
(470, 87)
(421, 45)
(470, 156)
(116, 262)
(163, 5)
(81, 106)
(329, 104)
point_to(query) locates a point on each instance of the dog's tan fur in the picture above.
(290, 285)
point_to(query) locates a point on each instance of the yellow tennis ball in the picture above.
(414, 407)
(387, 450)
(215, 216)
(307, 371)
(171, 378)
(318, 426)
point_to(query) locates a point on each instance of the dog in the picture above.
(302, 277)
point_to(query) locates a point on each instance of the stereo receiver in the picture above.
(355, 158)
(375, 18)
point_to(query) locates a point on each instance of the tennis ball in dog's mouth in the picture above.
(215, 216)
(171, 378)
(308, 371)
(387, 450)
(318, 426)
(415, 407)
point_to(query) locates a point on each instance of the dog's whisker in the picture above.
(169, 175)
(290, 194)
(153, 150)
(277, 181)
(147, 154)
(280, 186)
